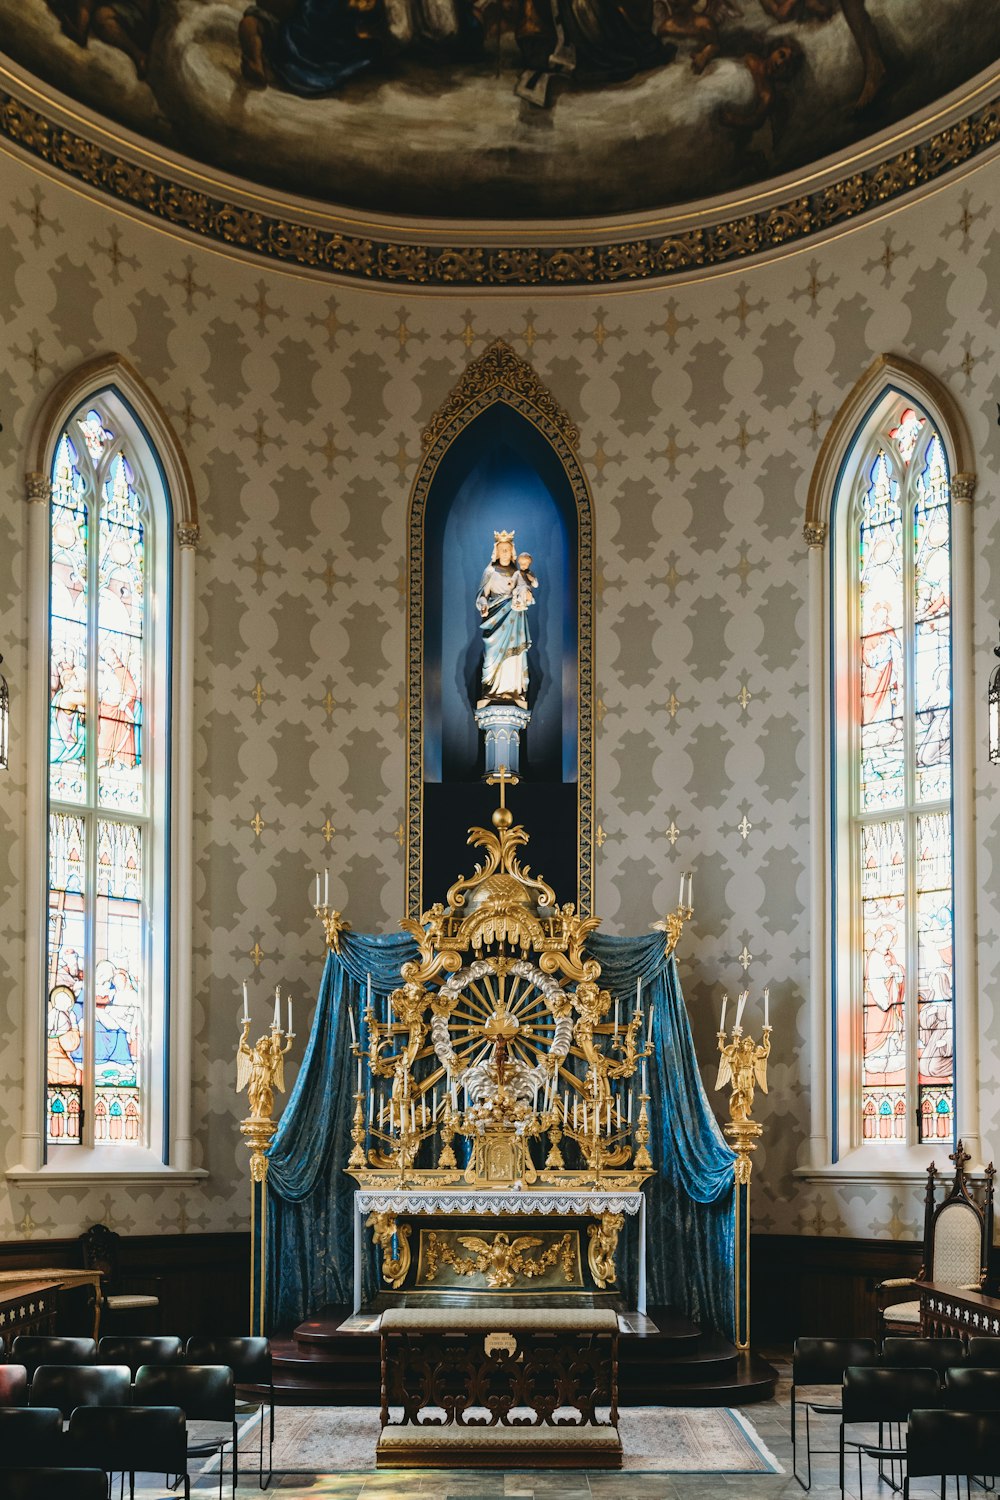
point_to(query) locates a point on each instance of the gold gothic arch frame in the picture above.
(499, 375)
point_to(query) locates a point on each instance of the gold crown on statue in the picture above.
(503, 536)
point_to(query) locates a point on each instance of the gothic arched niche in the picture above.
(499, 454)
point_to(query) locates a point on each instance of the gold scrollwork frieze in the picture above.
(124, 172)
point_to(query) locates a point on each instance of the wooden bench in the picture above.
(494, 1387)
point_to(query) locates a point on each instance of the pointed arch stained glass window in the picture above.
(901, 787)
(99, 790)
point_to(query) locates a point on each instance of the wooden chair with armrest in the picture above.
(120, 1295)
(958, 1233)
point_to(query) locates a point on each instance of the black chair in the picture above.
(250, 1361)
(140, 1349)
(972, 1388)
(34, 1349)
(55, 1484)
(70, 1386)
(204, 1393)
(883, 1395)
(984, 1352)
(130, 1440)
(822, 1362)
(925, 1354)
(13, 1385)
(31, 1437)
(962, 1443)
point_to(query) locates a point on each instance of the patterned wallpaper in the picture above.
(300, 406)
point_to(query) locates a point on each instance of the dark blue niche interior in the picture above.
(499, 474)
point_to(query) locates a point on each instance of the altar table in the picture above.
(422, 1202)
(55, 1278)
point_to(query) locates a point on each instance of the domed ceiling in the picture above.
(504, 109)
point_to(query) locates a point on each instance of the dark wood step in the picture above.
(673, 1364)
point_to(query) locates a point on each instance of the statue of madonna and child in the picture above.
(506, 593)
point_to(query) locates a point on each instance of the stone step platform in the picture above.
(664, 1360)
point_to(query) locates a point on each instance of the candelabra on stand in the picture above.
(260, 1069)
(742, 1064)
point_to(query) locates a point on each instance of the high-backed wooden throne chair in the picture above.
(958, 1233)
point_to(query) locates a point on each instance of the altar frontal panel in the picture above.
(491, 1259)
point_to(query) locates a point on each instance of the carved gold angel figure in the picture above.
(260, 1069)
(743, 1063)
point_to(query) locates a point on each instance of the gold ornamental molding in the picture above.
(498, 365)
(503, 259)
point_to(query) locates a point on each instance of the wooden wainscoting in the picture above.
(812, 1285)
(205, 1284)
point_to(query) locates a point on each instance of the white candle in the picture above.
(359, 1075)
(454, 1098)
(680, 897)
(609, 1117)
(649, 1028)
(368, 991)
(246, 1002)
(690, 899)
(371, 1109)
(277, 1008)
(740, 1004)
(354, 1029)
(289, 1015)
(565, 1108)
(316, 902)
(722, 1018)
(413, 1118)
(767, 993)
(616, 1015)
(645, 1090)
(575, 1104)
(534, 1099)
(326, 886)
(585, 1119)
(638, 993)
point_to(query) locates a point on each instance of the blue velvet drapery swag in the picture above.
(310, 1196)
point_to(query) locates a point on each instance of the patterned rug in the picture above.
(656, 1439)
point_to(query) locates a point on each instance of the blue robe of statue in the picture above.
(506, 637)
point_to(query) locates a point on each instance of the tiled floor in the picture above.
(769, 1418)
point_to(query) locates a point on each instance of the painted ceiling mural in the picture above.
(504, 109)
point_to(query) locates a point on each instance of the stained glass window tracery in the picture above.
(98, 938)
(899, 830)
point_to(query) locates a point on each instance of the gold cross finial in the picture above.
(503, 777)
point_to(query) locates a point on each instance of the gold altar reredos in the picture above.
(503, 1006)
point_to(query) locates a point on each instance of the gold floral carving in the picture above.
(188, 533)
(356, 257)
(499, 365)
(814, 533)
(385, 1230)
(501, 1260)
(603, 1238)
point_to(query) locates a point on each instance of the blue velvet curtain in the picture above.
(689, 1212)
(310, 1196)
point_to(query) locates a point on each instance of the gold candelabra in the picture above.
(260, 1069)
(743, 1065)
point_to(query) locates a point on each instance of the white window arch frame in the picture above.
(834, 1140)
(169, 1154)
